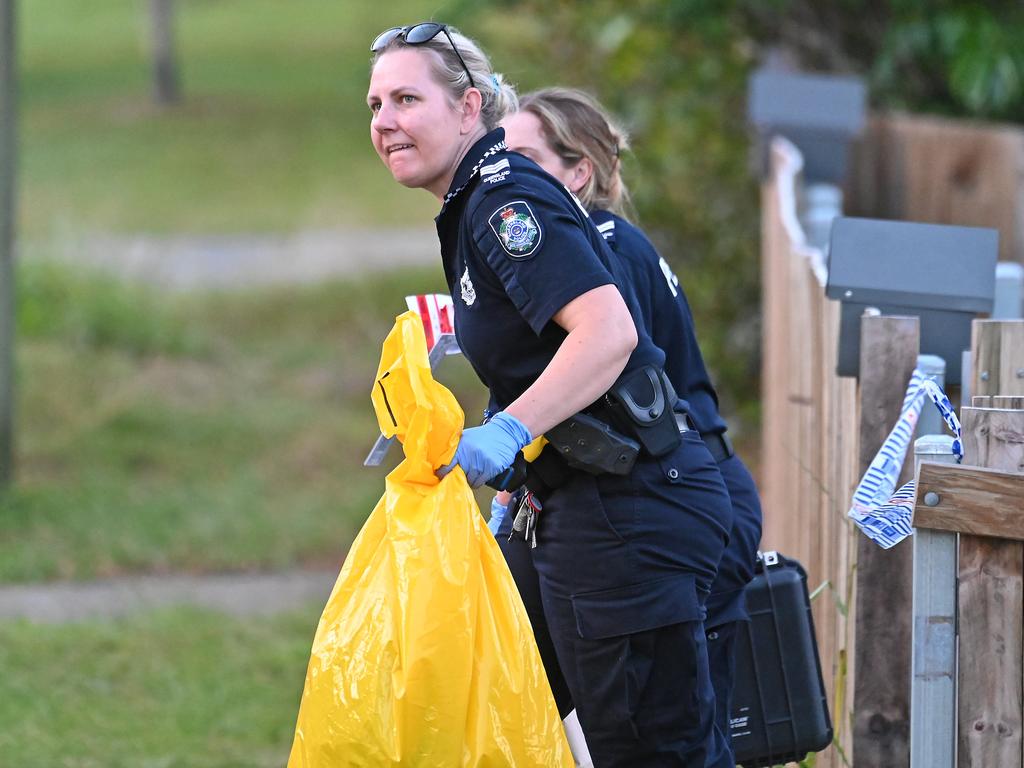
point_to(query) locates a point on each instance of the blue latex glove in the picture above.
(491, 448)
(498, 512)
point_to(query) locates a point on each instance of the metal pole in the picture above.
(822, 203)
(933, 663)
(8, 148)
(930, 421)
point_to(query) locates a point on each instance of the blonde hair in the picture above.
(576, 126)
(498, 97)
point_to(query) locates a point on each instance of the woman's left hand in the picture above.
(499, 509)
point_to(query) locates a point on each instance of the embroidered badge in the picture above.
(468, 291)
(516, 229)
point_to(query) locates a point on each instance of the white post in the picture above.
(933, 665)
(1009, 297)
(930, 421)
(822, 203)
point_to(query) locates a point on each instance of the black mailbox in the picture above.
(820, 114)
(944, 275)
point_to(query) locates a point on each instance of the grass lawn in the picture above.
(174, 689)
(272, 134)
(197, 433)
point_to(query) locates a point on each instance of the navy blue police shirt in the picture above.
(517, 247)
(666, 315)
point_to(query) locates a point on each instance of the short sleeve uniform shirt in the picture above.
(517, 247)
(666, 315)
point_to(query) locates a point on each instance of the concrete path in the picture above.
(189, 262)
(235, 594)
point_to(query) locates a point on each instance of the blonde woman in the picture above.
(540, 316)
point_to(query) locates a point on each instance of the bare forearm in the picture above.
(587, 363)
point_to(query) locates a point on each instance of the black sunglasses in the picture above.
(418, 34)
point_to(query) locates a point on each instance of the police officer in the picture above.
(625, 560)
(568, 134)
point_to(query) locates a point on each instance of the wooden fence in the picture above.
(941, 171)
(972, 550)
(810, 428)
(820, 432)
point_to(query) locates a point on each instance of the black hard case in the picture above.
(780, 708)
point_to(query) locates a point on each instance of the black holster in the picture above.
(591, 445)
(640, 404)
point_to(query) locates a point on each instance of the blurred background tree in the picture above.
(166, 79)
(945, 56)
(675, 74)
(8, 145)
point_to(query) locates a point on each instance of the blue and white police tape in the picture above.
(879, 510)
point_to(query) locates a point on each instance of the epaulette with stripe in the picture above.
(496, 174)
(607, 230)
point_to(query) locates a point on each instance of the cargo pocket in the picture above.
(637, 607)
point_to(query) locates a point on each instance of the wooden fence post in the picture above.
(998, 351)
(991, 571)
(881, 717)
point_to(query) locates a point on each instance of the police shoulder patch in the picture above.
(516, 228)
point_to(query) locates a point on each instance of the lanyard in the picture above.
(476, 169)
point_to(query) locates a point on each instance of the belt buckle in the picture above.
(683, 422)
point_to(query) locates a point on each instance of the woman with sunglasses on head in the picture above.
(567, 133)
(539, 315)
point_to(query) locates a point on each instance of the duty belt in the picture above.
(719, 446)
(683, 422)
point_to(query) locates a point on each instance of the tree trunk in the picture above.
(8, 167)
(166, 86)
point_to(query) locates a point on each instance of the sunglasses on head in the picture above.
(418, 34)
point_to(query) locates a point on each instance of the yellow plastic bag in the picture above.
(424, 655)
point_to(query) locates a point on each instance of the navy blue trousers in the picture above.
(619, 579)
(725, 606)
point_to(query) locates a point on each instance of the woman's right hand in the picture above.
(488, 450)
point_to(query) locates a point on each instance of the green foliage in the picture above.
(956, 57)
(675, 74)
(175, 689)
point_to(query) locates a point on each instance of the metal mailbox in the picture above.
(944, 275)
(820, 114)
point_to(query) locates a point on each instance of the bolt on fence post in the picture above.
(933, 662)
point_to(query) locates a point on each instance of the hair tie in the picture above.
(497, 83)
